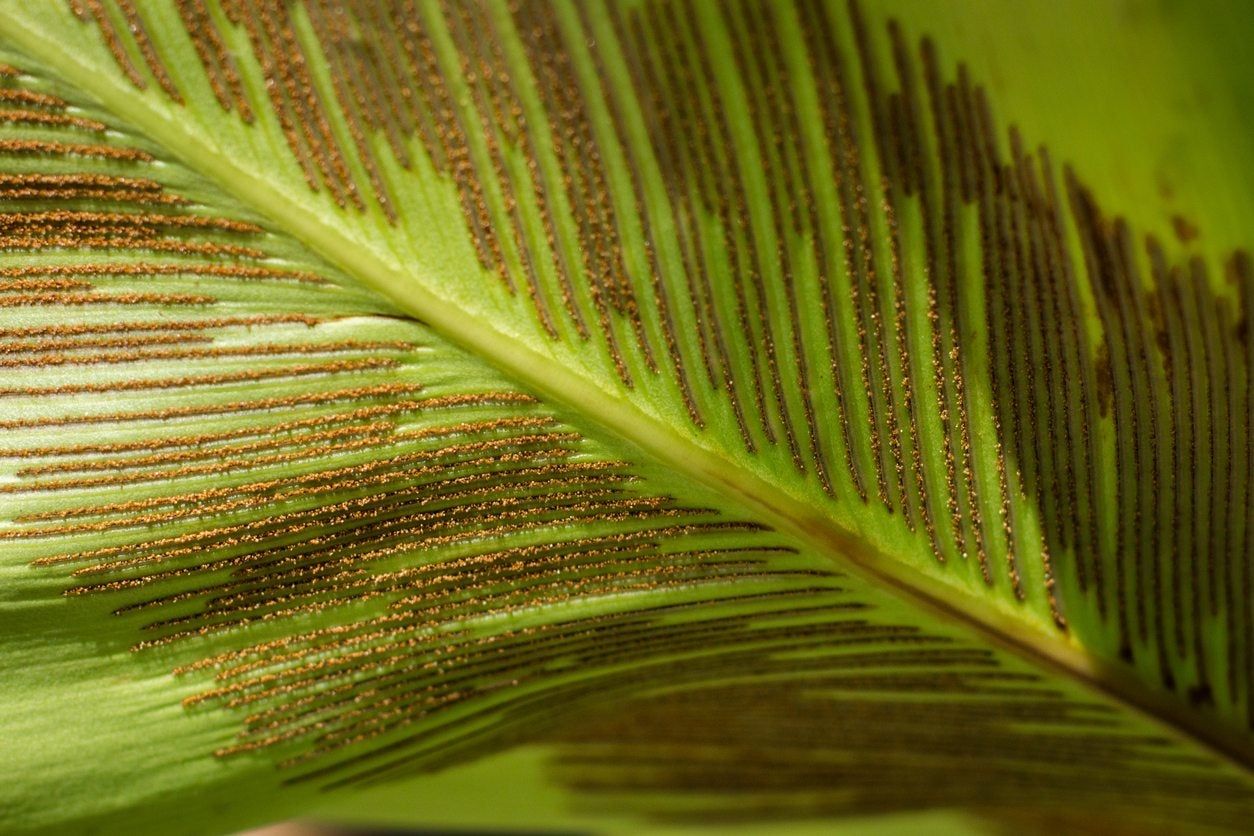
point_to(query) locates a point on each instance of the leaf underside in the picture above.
(718, 401)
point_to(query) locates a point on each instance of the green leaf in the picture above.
(633, 415)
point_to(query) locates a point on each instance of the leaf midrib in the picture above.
(382, 273)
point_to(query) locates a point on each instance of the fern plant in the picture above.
(641, 414)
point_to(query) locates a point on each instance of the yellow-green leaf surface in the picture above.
(621, 416)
